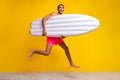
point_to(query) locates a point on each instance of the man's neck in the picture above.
(59, 13)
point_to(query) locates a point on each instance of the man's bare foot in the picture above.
(74, 66)
(30, 54)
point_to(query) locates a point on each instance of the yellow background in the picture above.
(95, 52)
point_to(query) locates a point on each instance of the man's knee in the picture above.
(47, 53)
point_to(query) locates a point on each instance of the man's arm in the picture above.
(44, 22)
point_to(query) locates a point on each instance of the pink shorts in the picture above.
(54, 40)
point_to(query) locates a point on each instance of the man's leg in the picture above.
(63, 45)
(41, 52)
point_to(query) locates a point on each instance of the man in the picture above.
(53, 40)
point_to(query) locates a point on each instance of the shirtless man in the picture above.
(53, 40)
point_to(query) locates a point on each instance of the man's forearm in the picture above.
(43, 24)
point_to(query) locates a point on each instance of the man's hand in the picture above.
(44, 33)
(63, 37)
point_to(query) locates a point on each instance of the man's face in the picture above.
(61, 9)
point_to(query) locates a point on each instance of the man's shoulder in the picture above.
(53, 13)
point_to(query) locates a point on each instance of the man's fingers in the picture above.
(44, 34)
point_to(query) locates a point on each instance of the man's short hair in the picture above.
(59, 6)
